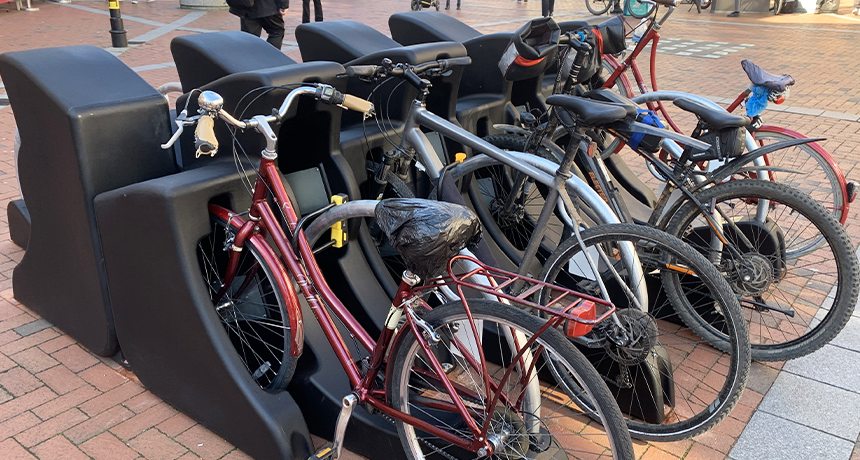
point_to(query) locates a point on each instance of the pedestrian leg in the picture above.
(306, 11)
(252, 26)
(274, 26)
(318, 12)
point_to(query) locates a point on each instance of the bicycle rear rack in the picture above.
(579, 310)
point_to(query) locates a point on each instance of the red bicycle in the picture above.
(464, 379)
(817, 165)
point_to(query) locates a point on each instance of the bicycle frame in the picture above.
(539, 169)
(652, 36)
(302, 266)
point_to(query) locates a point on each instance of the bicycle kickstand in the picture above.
(333, 451)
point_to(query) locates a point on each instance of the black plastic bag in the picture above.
(531, 50)
(427, 233)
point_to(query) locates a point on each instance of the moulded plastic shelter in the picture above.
(91, 128)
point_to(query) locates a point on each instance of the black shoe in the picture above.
(617, 11)
(734, 14)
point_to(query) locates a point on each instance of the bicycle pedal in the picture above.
(326, 453)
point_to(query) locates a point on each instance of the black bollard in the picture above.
(117, 33)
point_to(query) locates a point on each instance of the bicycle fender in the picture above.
(732, 167)
(282, 277)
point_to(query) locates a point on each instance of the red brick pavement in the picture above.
(58, 401)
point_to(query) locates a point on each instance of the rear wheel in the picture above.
(639, 9)
(252, 311)
(535, 419)
(797, 295)
(679, 367)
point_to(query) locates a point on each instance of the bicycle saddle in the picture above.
(716, 119)
(427, 233)
(761, 78)
(608, 95)
(590, 112)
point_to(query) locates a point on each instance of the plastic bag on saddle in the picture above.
(427, 233)
(531, 50)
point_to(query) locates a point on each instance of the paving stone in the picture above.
(849, 337)
(768, 437)
(831, 364)
(58, 448)
(32, 328)
(814, 404)
(13, 451)
(761, 377)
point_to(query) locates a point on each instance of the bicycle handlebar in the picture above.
(211, 106)
(403, 70)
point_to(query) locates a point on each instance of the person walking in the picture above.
(306, 11)
(737, 11)
(256, 15)
(448, 4)
(856, 10)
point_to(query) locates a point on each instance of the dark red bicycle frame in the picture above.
(304, 269)
(620, 68)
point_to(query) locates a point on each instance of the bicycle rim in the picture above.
(816, 178)
(536, 420)
(793, 304)
(688, 357)
(598, 7)
(252, 312)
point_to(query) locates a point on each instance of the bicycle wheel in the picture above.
(253, 311)
(704, 4)
(535, 419)
(678, 369)
(598, 7)
(817, 178)
(510, 220)
(639, 9)
(795, 299)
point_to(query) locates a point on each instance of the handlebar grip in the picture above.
(358, 104)
(454, 62)
(361, 70)
(204, 136)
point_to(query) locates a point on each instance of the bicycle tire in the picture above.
(409, 390)
(704, 4)
(805, 282)
(714, 345)
(595, 10)
(254, 316)
(815, 164)
(634, 5)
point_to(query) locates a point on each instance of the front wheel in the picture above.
(598, 7)
(532, 418)
(252, 310)
(796, 295)
(678, 366)
(639, 10)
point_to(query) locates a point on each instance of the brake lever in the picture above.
(181, 122)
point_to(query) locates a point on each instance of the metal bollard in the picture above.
(117, 33)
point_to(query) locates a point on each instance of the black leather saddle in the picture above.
(716, 119)
(761, 78)
(590, 112)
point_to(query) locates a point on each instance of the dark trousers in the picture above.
(274, 26)
(546, 7)
(306, 11)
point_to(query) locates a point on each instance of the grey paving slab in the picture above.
(831, 364)
(814, 404)
(849, 337)
(768, 437)
(32, 327)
